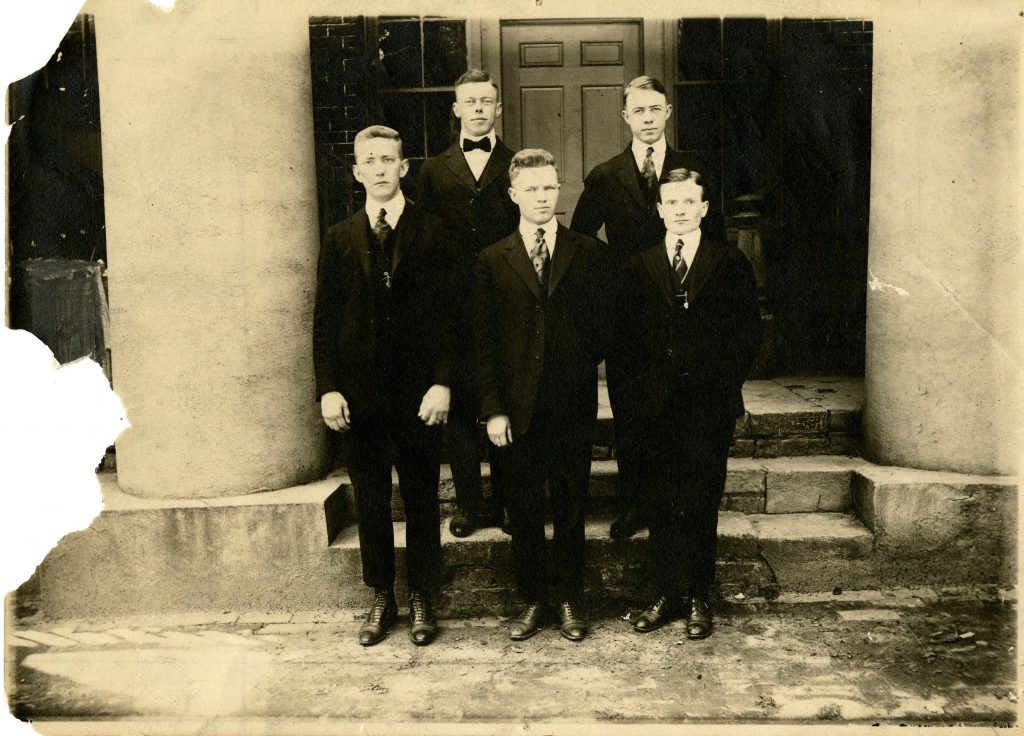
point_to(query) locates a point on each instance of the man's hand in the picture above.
(334, 409)
(434, 407)
(499, 430)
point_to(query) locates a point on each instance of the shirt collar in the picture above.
(640, 148)
(690, 241)
(492, 136)
(529, 231)
(393, 209)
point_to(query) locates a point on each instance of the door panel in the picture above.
(562, 89)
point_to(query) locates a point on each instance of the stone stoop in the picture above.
(480, 579)
(808, 522)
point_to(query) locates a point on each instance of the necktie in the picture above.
(678, 262)
(647, 170)
(381, 230)
(540, 255)
(484, 144)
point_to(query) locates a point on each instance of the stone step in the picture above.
(271, 550)
(789, 416)
(753, 486)
(479, 575)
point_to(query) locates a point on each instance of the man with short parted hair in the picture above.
(539, 328)
(382, 350)
(620, 195)
(467, 187)
(695, 326)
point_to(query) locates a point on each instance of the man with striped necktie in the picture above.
(691, 307)
(539, 334)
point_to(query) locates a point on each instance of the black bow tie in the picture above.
(484, 144)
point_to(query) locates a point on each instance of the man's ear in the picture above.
(455, 110)
(625, 116)
(668, 111)
(355, 173)
(658, 205)
(497, 110)
(403, 168)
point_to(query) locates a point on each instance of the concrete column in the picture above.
(212, 237)
(943, 369)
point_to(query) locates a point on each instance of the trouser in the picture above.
(377, 442)
(558, 453)
(687, 454)
(464, 455)
(628, 442)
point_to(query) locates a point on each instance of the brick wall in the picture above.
(338, 65)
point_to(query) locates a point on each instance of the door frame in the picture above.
(657, 49)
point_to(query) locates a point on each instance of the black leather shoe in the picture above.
(506, 522)
(660, 613)
(379, 618)
(528, 622)
(698, 625)
(463, 523)
(626, 525)
(573, 628)
(423, 625)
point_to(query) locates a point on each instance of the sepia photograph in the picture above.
(514, 368)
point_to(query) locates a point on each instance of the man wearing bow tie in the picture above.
(691, 305)
(467, 187)
(620, 194)
(539, 329)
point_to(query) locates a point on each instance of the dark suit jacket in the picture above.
(708, 347)
(347, 353)
(478, 214)
(522, 333)
(612, 197)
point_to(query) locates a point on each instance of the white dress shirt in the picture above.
(690, 242)
(640, 153)
(476, 158)
(393, 209)
(529, 232)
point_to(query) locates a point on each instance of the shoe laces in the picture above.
(530, 612)
(418, 605)
(380, 603)
(569, 612)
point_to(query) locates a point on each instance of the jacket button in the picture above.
(669, 352)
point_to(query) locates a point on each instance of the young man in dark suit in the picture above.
(382, 346)
(467, 187)
(538, 324)
(696, 329)
(620, 194)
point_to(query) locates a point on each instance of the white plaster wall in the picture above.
(212, 239)
(943, 368)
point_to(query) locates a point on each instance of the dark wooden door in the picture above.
(562, 83)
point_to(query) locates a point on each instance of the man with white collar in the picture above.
(467, 187)
(620, 194)
(539, 330)
(691, 306)
(383, 325)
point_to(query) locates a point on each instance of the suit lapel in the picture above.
(565, 251)
(408, 226)
(708, 256)
(455, 161)
(515, 254)
(497, 162)
(625, 169)
(655, 260)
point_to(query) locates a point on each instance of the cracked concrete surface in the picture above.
(887, 657)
